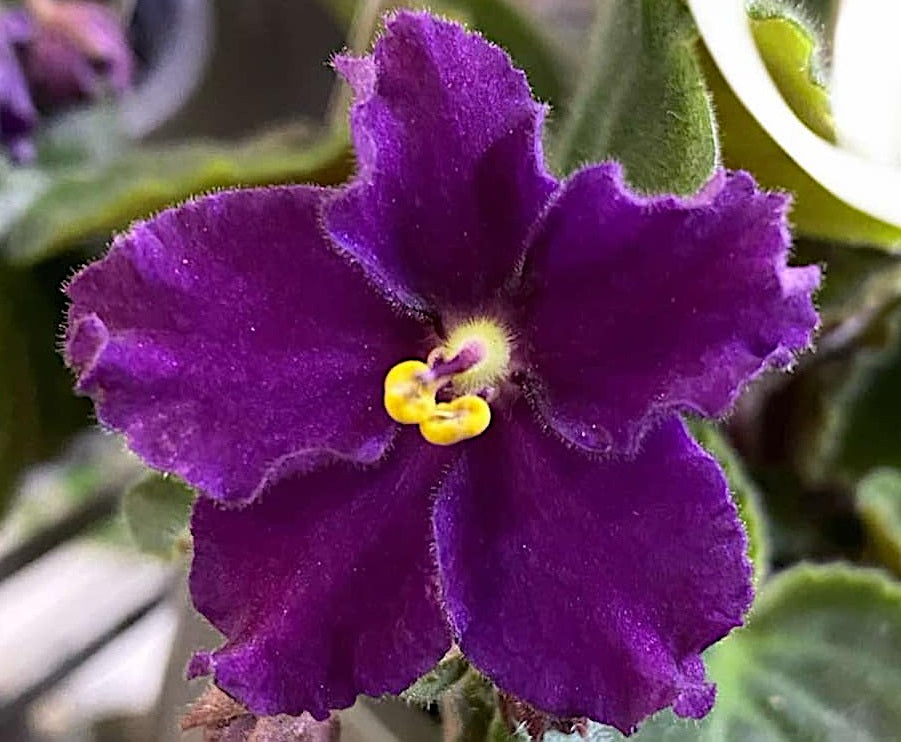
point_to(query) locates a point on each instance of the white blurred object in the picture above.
(123, 678)
(872, 187)
(178, 72)
(57, 605)
(866, 79)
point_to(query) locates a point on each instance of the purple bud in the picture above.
(17, 113)
(78, 51)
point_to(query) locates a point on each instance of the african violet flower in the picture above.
(54, 53)
(575, 542)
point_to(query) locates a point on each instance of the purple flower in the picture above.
(576, 542)
(78, 52)
(52, 54)
(18, 116)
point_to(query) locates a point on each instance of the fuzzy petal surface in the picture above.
(450, 168)
(325, 588)
(225, 339)
(590, 587)
(639, 307)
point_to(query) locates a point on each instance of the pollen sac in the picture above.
(451, 422)
(466, 368)
(409, 397)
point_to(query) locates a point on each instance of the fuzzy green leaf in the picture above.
(431, 686)
(91, 201)
(469, 709)
(642, 99)
(820, 659)
(879, 505)
(157, 510)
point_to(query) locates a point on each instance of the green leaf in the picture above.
(791, 52)
(744, 491)
(157, 510)
(20, 187)
(820, 659)
(499, 731)
(861, 431)
(431, 686)
(92, 201)
(833, 430)
(19, 411)
(642, 99)
(879, 505)
(81, 136)
(858, 281)
(38, 411)
(789, 48)
(469, 708)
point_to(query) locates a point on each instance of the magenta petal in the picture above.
(325, 588)
(451, 174)
(102, 35)
(644, 306)
(81, 55)
(18, 116)
(590, 587)
(59, 73)
(225, 339)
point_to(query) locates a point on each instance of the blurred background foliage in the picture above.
(814, 458)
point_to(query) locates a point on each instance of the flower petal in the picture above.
(451, 173)
(18, 116)
(98, 33)
(644, 306)
(225, 339)
(59, 73)
(590, 587)
(325, 588)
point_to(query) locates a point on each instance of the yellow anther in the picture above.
(455, 421)
(408, 399)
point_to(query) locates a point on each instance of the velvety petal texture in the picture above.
(325, 588)
(451, 174)
(639, 307)
(18, 116)
(590, 587)
(225, 339)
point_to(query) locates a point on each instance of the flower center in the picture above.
(470, 365)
